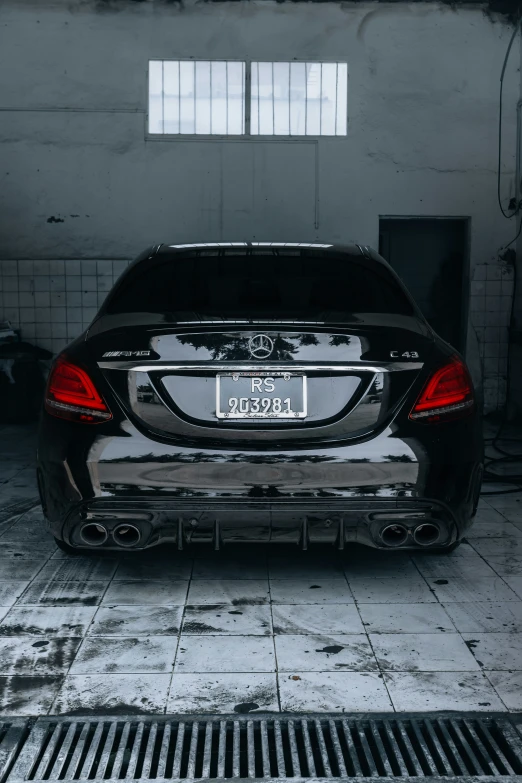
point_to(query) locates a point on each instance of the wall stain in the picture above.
(504, 8)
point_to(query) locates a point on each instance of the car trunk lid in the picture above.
(176, 380)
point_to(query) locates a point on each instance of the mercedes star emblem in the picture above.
(260, 346)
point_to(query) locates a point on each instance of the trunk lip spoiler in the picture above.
(239, 367)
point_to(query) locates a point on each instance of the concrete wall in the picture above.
(81, 180)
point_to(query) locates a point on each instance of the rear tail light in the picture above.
(71, 394)
(448, 393)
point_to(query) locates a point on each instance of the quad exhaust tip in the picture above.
(426, 534)
(394, 535)
(126, 535)
(94, 534)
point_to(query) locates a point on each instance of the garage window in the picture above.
(210, 97)
(197, 97)
(298, 99)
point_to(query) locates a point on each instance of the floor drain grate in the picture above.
(250, 747)
(13, 734)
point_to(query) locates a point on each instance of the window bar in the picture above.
(320, 98)
(273, 102)
(163, 96)
(194, 102)
(211, 95)
(336, 93)
(306, 99)
(289, 98)
(251, 76)
(179, 96)
(245, 109)
(258, 104)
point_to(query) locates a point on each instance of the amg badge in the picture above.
(113, 354)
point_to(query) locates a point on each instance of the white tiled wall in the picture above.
(52, 302)
(490, 307)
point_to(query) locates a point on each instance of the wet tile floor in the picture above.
(249, 629)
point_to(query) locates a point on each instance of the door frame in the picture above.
(466, 270)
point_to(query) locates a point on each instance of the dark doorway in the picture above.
(430, 255)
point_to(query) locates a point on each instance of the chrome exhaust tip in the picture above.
(426, 534)
(394, 535)
(126, 535)
(94, 534)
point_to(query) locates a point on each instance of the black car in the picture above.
(282, 392)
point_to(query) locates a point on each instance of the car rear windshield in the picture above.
(259, 285)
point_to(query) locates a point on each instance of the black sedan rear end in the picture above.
(259, 392)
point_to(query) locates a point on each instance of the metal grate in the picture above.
(318, 747)
(13, 734)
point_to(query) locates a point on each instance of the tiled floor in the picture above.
(254, 629)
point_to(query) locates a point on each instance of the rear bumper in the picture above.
(333, 494)
(339, 523)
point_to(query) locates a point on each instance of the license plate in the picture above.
(255, 395)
